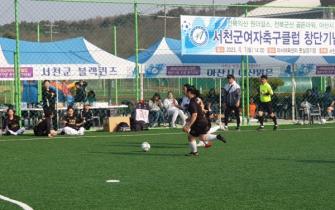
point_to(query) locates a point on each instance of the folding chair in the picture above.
(315, 114)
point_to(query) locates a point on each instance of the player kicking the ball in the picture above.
(197, 126)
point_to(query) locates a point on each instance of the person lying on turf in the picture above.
(206, 110)
(45, 126)
(11, 124)
(73, 124)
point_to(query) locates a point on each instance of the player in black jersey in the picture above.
(11, 124)
(45, 126)
(73, 124)
(197, 126)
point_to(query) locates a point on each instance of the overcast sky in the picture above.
(36, 11)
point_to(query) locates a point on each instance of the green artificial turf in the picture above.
(293, 168)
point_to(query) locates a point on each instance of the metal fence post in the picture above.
(136, 50)
(116, 80)
(17, 61)
(294, 84)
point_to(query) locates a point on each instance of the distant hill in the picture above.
(100, 30)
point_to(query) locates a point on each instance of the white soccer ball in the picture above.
(323, 121)
(145, 146)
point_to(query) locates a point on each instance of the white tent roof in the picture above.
(3, 61)
(268, 11)
(164, 54)
(106, 59)
(74, 58)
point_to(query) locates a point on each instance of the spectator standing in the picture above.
(232, 97)
(252, 108)
(49, 98)
(80, 91)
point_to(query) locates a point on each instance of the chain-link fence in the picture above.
(83, 36)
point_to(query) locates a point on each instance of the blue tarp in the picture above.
(71, 51)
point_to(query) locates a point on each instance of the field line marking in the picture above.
(79, 137)
(18, 203)
(113, 181)
(152, 134)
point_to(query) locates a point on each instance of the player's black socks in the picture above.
(261, 120)
(274, 118)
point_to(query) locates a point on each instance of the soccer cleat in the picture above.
(238, 128)
(208, 145)
(226, 128)
(221, 138)
(275, 127)
(192, 154)
(260, 128)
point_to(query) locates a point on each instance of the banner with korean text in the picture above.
(69, 72)
(257, 36)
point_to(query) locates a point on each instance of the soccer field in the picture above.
(292, 168)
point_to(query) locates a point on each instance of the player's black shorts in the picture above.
(199, 128)
(266, 107)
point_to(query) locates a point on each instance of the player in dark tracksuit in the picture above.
(80, 91)
(232, 97)
(49, 98)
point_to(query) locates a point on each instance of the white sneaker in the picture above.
(225, 127)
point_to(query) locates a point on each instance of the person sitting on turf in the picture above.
(45, 127)
(11, 124)
(174, 110)
(73, 124)
(87, 116)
